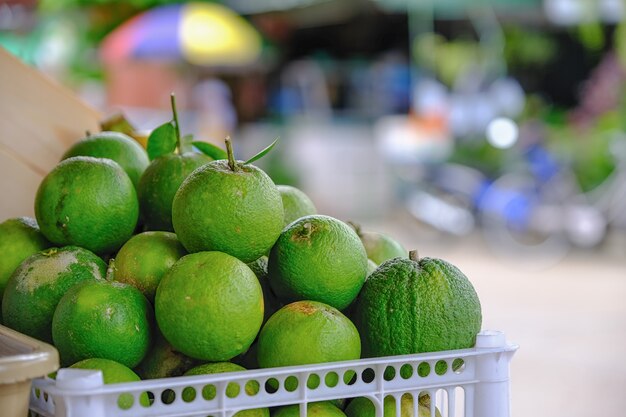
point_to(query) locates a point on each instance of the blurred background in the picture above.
(489, 133)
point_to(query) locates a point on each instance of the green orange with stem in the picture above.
(229, 206)
(172, 161)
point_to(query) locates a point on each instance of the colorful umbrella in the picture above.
(198, 33)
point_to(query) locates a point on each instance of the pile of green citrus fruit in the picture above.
(179, 259)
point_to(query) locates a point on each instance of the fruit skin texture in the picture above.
(209, 306)
(363, 407)
(37, 285)
(307, 332)
(209, 391)
(87, 202)
(116, 146)
(318, 258)
(114, 373)
(159, 184)
(319, 409)
(103, 319)
(145, 258)
(409, 306)
(296, 203)
(380, 247)
(237, 212)
(19, 238)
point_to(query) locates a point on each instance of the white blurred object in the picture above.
(460, 116)
(612, 11)
(502, 133)
(586, 226)
(507, 96)
(564, 12)
(481, 112)
(430, 97)
(407, 141)
(571, 12)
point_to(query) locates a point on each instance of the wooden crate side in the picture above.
(39, 120)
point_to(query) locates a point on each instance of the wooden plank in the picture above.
(39, 120)
(18, 187)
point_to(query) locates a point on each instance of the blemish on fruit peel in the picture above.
(303, 307)
(47, 275)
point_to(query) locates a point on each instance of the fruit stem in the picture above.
(176, 127)
(231, 155)
(414, 256)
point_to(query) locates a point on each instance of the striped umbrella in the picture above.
(197, 33)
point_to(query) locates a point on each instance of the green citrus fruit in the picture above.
(318, 258)
(411, 306)
(232, 390)
(19, 238)
(209, 306)
(319, 409)
(116, 146)
(363, 407)
(296, 203)
(114, 373)
(380, 247)
(163, 361)
(307, 332)
(159, 184)
(35, 288)
(103, 319)
(87, 202)
(238, 211)
(145, 258)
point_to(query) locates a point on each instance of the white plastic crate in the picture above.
(477, 385)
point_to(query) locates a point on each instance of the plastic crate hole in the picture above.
(390, 373)
(271, 385)
(441, 367)
(233, 390)
(331, 379)
(406, 371)
(423, 369)
(368, 375)
(209, 392)
(252, 387)
(313, 381)
(458, 366)
(168, 396)
(424, 398)
(442, 402)
(291, 383)
(459, 400)
(349, 377)
(189, 394)
(149, 399)
(125, 401)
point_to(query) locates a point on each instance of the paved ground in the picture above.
(569, 320)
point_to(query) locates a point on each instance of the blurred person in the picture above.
(216, 115)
